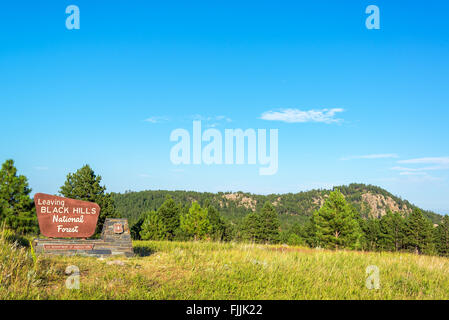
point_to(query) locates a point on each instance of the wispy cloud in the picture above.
(372, 156)
(156, 119)
(301, 116)
(430, 164)
(41, 168)
(419, 167)
(443, 161)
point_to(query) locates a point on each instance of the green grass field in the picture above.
(205, 270)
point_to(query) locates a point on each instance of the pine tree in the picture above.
(310, 233)
(371, 230)
(16, 206)
(392, 232)
(153, 228)
(442, 237)
(269, 223)
(419, 233)
(136, 228)
(336, 224)
(196, 223)
(169, 215)
(219, 227)
(251, 228)
(85, 185)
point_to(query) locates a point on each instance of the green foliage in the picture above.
(270, 223)
(195, 222)
(442, 237)
(169, 215)
(251, 228)
(136, 228)
(336, 224)
(371, 230)
(16, 206)
(85, 185)
(291, 207)
(162, 224)
(152, 227)
(263, 226)
(392, 232)
(419, 233)
(221, 230)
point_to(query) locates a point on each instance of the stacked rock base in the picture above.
(115, 241)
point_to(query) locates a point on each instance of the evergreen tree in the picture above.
(137, 227)
(85, 185)
(263, 226)
(392, 232)
(251, 228)
(219, 231)
(196, 222)
(169, 215)
(442, 237)
(419, 233)
(153, 228)
(269, 224)
(16, 206)
(336, 224)
(371, 230)
(310, 233)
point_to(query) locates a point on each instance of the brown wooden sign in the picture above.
(66, 218)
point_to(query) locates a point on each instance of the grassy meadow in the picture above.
(208, 270)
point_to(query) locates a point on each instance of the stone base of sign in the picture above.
(115, 240)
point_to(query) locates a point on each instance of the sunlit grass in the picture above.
(208, 270)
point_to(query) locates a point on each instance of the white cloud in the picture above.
(414, 173)
(372, 156)
(443, 161)
(421, 168)
(300, 116)
(435, 163)
(41, 168)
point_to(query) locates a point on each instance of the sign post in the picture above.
(69, 222)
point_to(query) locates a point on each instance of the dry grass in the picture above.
(195, 270)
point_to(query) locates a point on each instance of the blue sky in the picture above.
(350, 104)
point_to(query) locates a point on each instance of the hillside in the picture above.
(370, 201)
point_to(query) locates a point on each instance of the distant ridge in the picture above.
(371, 201)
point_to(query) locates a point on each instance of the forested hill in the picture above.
(370, 201)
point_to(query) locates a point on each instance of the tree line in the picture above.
(17, 210)
(335, 225)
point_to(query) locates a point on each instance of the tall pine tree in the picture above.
(337, 224)
(371, 229)
(419, 232)
(392, 232)
(16, 206)
(442, 237)
(85, 185)
(153, 228)
(169, 215)
(195, 222)
(270, 223)
(251, 228)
